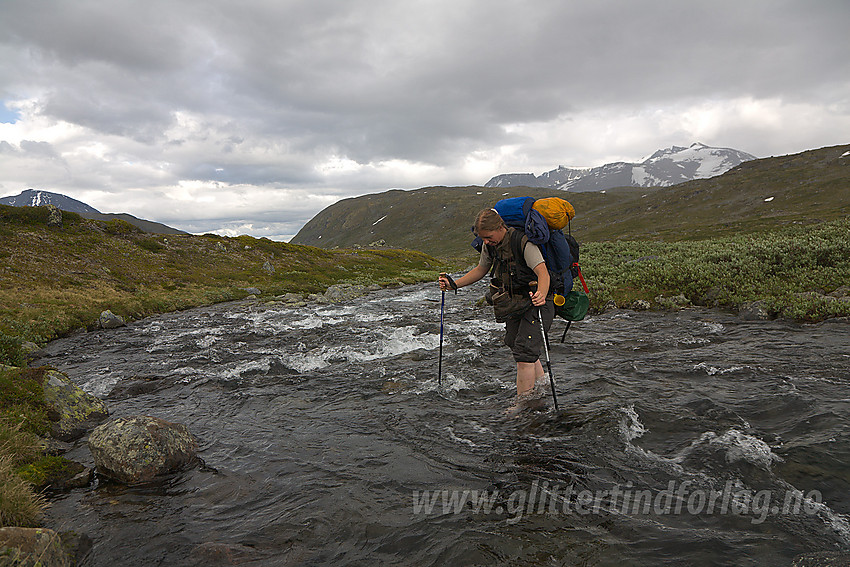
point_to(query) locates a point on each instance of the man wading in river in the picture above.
(515, 263)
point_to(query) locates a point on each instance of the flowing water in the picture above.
(689, 438)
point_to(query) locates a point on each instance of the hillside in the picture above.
(57, 280)
(757, 195)
(35, 198)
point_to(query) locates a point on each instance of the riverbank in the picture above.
(58, 280)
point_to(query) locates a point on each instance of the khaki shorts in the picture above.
(522, 334)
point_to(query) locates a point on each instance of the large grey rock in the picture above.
(71, 411)
(343, 292)
(32, 547)
(54, 216)
(109, 320)
(137, 449)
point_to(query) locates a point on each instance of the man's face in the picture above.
(492, 237)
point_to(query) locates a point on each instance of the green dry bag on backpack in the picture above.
(575, 306)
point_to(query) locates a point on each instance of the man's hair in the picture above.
(488, 219)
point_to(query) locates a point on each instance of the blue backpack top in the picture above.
(518, 212)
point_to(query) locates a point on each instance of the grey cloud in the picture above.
(31, 148)
(273, 89)
(318, 71)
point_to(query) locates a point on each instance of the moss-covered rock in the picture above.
(71, 410)
(137, 449)
(109, 320)
(56, 473)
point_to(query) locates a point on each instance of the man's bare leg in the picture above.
(527, 374)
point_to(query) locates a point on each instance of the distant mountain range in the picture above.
(760, 194)
(664, 168)
(35, 198)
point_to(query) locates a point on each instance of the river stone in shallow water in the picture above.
(71, 410)
(32, 546)
(137, 449)
(754, 311)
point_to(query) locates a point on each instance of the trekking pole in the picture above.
(564, 336)
(533, 286)
(442, 309)
(440, 365)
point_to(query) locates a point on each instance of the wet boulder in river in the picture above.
(137, 449)
(71, 410)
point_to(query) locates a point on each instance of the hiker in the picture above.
(517, 263)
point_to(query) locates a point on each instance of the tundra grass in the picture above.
(800, 273)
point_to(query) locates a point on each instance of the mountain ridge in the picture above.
(664, 168)
(756, 195)
(38, 198)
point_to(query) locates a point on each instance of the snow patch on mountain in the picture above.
(36, 198)
(663, 168)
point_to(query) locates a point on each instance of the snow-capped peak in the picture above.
(665, 167)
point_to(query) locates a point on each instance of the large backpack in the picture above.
(542, 221)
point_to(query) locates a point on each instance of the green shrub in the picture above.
(46, 470)
(10, 350)
(150, 245)
(119, 227)
(776, 267)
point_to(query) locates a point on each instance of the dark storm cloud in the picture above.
(347, 75)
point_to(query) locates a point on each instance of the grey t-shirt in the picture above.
(532, 256)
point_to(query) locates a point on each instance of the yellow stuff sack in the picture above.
(556, 211)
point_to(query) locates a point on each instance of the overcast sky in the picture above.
(250, 116)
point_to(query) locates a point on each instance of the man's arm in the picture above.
(468, 278)
(538, 297)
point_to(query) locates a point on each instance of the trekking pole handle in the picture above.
(450, 280)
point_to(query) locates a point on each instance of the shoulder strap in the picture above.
(518, 242)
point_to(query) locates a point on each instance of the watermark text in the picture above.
(677, 498)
